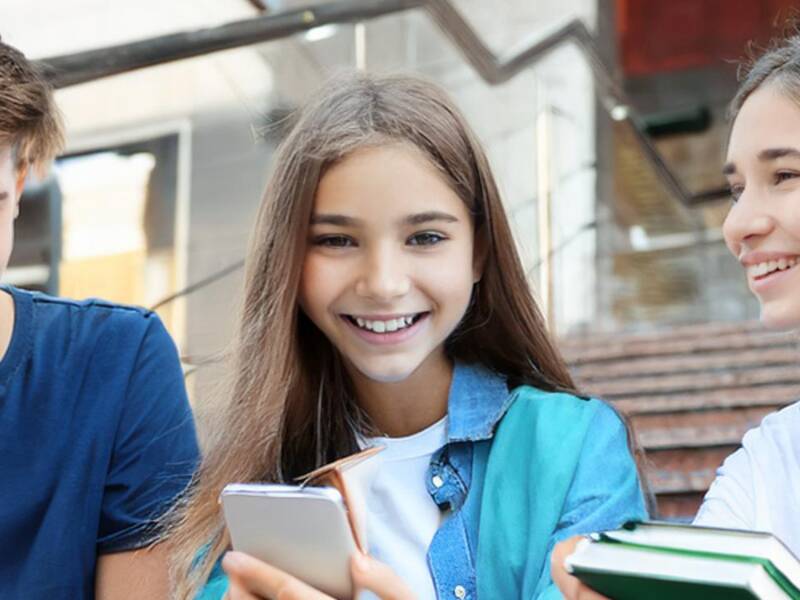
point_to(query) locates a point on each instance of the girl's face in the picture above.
(389, 266)
(763, 226)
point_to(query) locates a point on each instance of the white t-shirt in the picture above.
(402, 518)
(758, 486)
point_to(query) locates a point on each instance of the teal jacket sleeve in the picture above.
(559, 466)
(605, 492)
(216, 586)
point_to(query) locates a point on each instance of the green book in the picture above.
(665, 561)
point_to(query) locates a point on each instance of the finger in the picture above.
(378, 578)
(570, 586)
(586, 593)
(236, 592)
(259, 578)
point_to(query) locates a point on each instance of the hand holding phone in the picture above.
(250, 577)
(304, 532)
(310, 531)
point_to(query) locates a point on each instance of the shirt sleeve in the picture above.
(605, 491)
(729, 501)
(155, 447)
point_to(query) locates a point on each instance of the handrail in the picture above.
(72, 69)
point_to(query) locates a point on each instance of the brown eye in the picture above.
(782, 176)
(735, 192)
(333, 241)
(426, 238)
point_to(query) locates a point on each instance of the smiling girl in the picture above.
(385, 302)
(758, 486)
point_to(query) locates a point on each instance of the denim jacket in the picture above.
(596, 487)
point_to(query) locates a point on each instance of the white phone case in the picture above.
(304, 532)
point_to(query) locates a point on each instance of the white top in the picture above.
(758, 486)
(401, 516)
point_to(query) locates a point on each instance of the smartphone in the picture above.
(301, 530)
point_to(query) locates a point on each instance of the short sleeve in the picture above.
(729, 501)
(155, 447)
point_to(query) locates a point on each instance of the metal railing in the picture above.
(81, 67)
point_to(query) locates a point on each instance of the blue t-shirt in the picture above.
(96, 440)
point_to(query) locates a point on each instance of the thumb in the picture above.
(378, 578)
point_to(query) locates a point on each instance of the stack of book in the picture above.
(661, 561)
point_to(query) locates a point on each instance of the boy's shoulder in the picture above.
(59, 303)
(92, 315)
(63, 333)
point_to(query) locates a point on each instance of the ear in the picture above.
(22, 173)
(480, 251)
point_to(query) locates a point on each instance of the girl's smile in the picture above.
(767, 269)
(391, 329)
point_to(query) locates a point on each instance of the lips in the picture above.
(765, 268)
(384, 324)
(388, 329)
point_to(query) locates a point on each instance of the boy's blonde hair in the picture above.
(30, 122)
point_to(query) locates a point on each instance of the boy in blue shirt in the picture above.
(96, 434)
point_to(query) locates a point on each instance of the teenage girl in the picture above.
(758, 486)
(385, 301)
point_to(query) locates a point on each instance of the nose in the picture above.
(384, 275)
(748, 221)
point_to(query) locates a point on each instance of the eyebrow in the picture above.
(341, 220)
(415, 219)
(765, 156)
(3, 195)
(427, 217)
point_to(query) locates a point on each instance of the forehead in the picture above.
(767, 119)
(385, 179)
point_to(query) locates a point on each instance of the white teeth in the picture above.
(763, 268)
(383, 326)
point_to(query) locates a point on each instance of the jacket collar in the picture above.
(477, 401)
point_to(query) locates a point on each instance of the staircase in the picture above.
(690, 394)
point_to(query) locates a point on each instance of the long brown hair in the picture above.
(291, 405)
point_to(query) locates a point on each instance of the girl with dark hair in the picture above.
(758, 486)
(385, 302)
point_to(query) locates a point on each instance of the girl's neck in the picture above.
(6, 321)
(409, 406)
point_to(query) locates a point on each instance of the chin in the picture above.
(386, 373)
(780, 318)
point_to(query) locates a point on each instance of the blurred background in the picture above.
(604, 121)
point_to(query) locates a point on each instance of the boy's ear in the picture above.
(22, 173)
(480, 253)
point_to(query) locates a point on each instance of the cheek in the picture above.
(450, 281)
(308, 285)
(318, 285)
(793, 222)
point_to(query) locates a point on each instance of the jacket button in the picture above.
(459, 592)
(437, 482)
